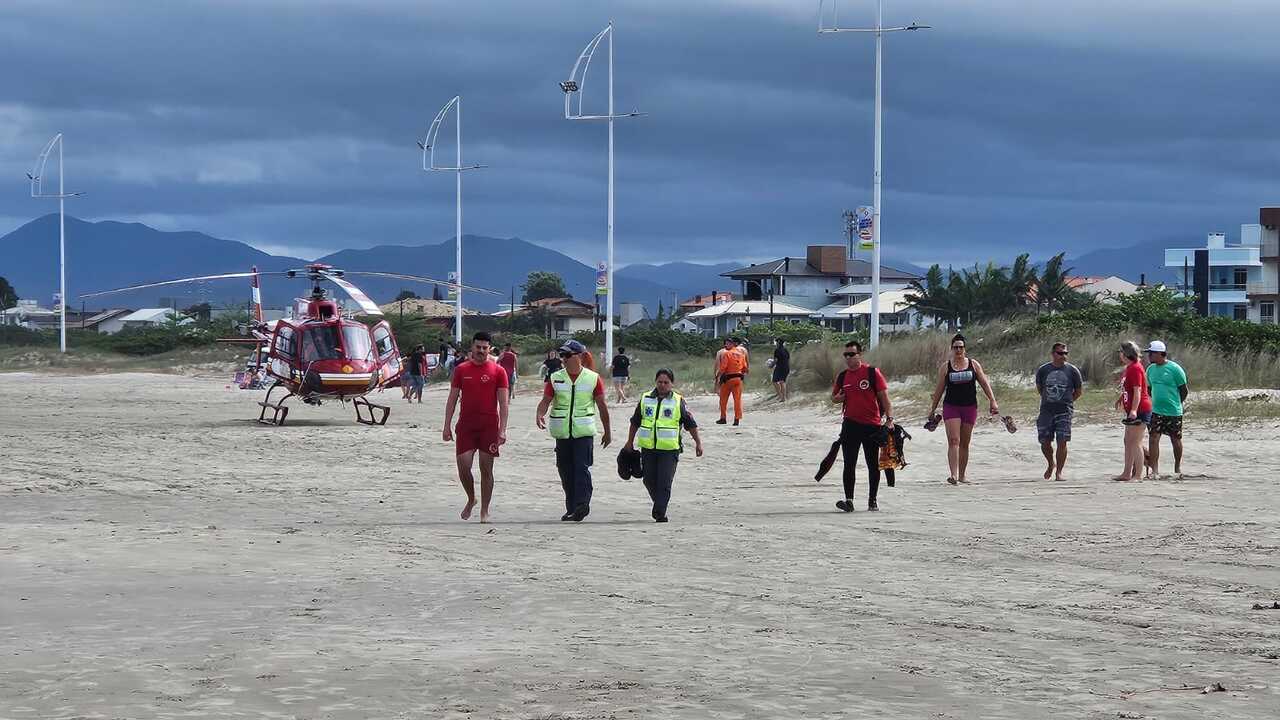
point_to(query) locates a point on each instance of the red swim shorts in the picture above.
(477, 433)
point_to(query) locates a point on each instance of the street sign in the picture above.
(602, 279)
(866, 231)
(453, 290)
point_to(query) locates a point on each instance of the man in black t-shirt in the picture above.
(415, 373)
(781, 368)
(620, 369)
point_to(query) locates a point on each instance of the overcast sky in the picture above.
(1013, 125)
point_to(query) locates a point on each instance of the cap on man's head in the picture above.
(1157, 346)
(573, 347)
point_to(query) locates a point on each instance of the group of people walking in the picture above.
(574, 410)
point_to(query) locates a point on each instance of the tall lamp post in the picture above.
(428, 146)
(36, 176)
(879, 31)
(574, 88)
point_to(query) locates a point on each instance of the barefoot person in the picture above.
(1060, 385)
(863, 393)
(620, 372)
(575, 395)
(655, 427)
(781, 369)
(482, 424)
(1168, 382)
(1135, 403)
(509, 361)
(958, 382)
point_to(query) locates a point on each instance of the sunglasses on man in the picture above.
(852, 354)
(1063, 353)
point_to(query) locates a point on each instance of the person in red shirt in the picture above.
(1135, 402)
(863, 393)
(482, 424)
(509, 360)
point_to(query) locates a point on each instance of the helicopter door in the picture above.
(388, 354)
(283, 357)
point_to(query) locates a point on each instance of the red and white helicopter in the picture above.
(320, 353)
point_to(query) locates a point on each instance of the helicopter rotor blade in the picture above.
(202, 278)
(368, 306)
(422, 279)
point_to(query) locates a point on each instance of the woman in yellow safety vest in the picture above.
(655, 427)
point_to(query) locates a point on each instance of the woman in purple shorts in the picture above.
(958, 381)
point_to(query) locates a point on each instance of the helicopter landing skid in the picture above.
(278, 410)
(378, 414)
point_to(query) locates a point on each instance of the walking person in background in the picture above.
(1135, 403)
(655, 427)
(574, 395)
(509, 362)
(415, 376)
(731, 368)
(863, 393)
(1060, 385)
(482, 424)
(1168, 383)
(958, 382)
(781, 368)
(620, 370)
(550, 364)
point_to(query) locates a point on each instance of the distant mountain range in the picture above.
(108, 254)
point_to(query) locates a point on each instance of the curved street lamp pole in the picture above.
(879, 31)
(36, 176)
(573, 89)
(428, 146)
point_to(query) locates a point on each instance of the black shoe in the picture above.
(580, 512)
(872, 506)
(845, 505)
(567, 516)
(660, 518)
(735, 423)
(722, 421)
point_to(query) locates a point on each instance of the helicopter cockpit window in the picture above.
(284, 341)
(320, 343)
(355, 337)
(382, 338)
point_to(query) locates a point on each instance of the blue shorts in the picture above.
(1051, 424)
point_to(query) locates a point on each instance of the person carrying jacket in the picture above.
(575, 396)
(656, 427)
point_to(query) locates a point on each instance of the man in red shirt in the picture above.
(862, 391)
(482, 424)
(508, 361)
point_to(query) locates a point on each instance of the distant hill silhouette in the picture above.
(1130, 263)
(109, 254)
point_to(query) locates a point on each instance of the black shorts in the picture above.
(780, 374)
(1170, 425)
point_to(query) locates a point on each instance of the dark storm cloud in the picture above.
(291, 125)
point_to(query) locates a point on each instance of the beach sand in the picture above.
(162, 555)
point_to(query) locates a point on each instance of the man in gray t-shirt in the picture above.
(1059, 384)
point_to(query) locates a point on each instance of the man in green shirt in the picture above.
(1168, 384)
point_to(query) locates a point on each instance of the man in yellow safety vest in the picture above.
(575, 396)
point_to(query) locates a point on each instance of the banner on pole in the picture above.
(602, 279)
(453, 290)
(866, 232)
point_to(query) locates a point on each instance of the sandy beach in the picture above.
(162, 555)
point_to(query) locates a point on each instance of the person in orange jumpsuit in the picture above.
(732, 367)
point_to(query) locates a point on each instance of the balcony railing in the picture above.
(1228, 286)
(1262, 288)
